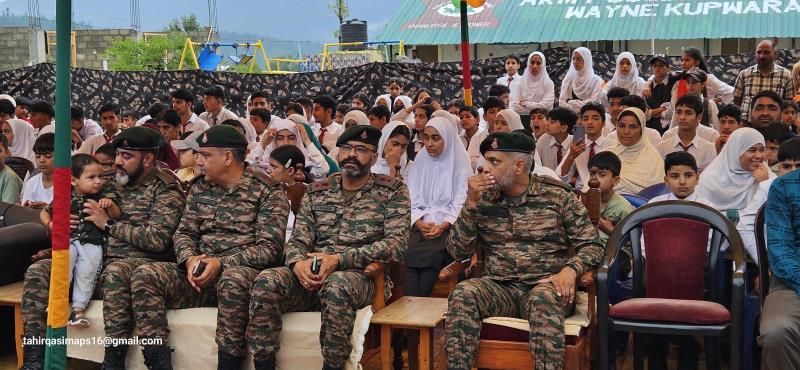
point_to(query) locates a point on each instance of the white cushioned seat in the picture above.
(192, 332)
(572, 324)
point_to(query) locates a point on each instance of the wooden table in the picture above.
(415, 313)
(11, 295)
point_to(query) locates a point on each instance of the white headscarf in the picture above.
(582, 83)
(454, 119)
(356, 115)
(438, 186)
(642, 166)
(381, 166)
(724, 182)
(513, 119)
(631, 82)
(24, 138)
(533, 88)
(286, 124)
(407, 103)
(386, 97)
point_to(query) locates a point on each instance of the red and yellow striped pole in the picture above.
(465, 64)
(58, 307)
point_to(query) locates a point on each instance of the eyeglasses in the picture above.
(360, 149)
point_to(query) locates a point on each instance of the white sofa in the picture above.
(192, 333)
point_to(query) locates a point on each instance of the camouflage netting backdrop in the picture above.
(134, 90)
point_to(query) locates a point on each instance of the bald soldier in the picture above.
(526, 225)
(346, 221)
(233, 227)
(151, 202)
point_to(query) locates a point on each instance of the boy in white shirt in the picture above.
(511, 78)
(681, 178)
(554, 145)
(38, 190)
(688, 113)
(575, 163)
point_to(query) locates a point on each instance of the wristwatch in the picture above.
(108, 225)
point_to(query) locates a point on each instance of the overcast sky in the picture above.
(291, 20)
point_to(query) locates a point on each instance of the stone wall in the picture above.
(21, 47)
(90, 45)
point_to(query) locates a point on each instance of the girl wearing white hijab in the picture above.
(626, 76)
(642, 166)
(20, 135)
(536, 89)
(508, 120)
(580, 85)
(732, 179)
(384, 99)
(437, 185)
(396, 134)
(287, 133)
(401, 103)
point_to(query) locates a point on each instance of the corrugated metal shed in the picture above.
(435, 22)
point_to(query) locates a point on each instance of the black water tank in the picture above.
(353, 30)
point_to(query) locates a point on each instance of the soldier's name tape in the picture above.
(92, 341)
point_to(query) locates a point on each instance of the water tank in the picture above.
(353, 30)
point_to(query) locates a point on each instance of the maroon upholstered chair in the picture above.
(676, 289)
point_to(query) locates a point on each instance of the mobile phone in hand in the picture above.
(578, 133)
(315, 266)
(199, 268)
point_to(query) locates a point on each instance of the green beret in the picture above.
(508, 142)
(138, 138)
(362, 133)
(221, 136)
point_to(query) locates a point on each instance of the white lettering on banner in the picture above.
(584, 9)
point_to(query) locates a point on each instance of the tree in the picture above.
(157, 53)
(342, 11)
(187, 23)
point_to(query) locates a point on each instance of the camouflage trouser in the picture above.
(277, 291)
(157, 287)
(113, 286)
(35, 293)
(476, 299)
(116, 286)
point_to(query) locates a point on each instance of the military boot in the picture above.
(115, 358)
(268, 364)
(227, 361)
(157, 357)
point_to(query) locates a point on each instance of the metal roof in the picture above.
(436, 22)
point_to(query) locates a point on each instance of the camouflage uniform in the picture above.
(372, 226)
(524, 239)
(151, 209)
(244, 228)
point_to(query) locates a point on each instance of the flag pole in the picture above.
(58, 307)
(465, 64)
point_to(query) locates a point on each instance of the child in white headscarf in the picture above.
(286, 132)
(21, 137)
(580, 85)
(626, 76)
(395, 137)
(536, 89)
(437, 185)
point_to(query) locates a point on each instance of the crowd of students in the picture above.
(708, 142)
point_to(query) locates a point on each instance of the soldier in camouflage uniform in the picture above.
(526, 226)
(150, 202)
(235, 223)
(347, 221)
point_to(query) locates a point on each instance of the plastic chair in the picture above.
(20, 166)
(676, 294)
(653, 191)
(763, 258)
(635, 200)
